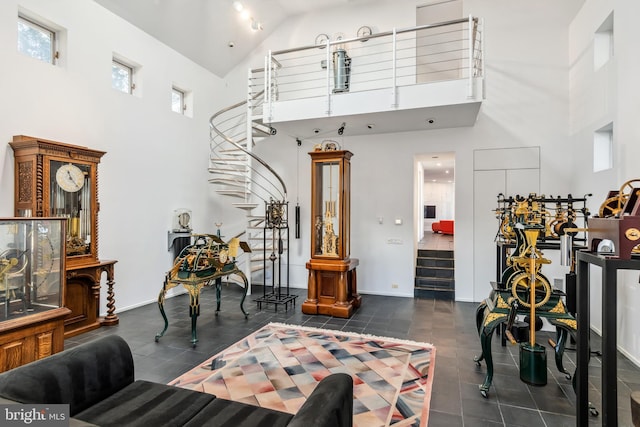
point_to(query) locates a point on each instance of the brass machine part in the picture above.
(616, 201)
(5, 266)
(574, 230)
(528, 278)
(532, 237)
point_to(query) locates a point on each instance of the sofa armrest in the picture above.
(80, 376)
(329, 405)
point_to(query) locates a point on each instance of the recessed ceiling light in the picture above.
(438, 164)
(238, 6)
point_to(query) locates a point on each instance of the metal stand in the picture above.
(609, 273)
(276, 221)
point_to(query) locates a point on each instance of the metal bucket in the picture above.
(533, 364)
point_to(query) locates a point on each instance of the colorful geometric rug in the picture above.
(278, 366)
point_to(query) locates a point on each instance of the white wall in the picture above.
(440, 194)
(156, 159)
(608, 94)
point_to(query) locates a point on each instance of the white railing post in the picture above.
(329, 66)
(267, 88)
(483, 73)
(470, 38)
(249, 139)
(394, 68)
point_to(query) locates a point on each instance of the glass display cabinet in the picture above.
(55, 179)
(332, 288)
(32, 312)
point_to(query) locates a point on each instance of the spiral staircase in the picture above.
(238, 173)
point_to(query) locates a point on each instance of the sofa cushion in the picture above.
(80, 376)
(147, 404)
(226, 413)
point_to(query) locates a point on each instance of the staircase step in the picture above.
(434, 272)
(246, 206)
(434, 283)
(439, 294)
(227, 160)
(435, 262)
(229, 181)
(434, 253)
(240, 194)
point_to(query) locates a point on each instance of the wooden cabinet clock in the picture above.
(332, 285)
(54, 179)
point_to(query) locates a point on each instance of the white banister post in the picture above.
(267, 87)
(482, 46)
(394, 68)
(470, 37)
(328, 82)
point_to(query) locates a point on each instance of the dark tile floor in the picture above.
(450, 326)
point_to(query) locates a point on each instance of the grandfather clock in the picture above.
(332, 285)
(54, 179)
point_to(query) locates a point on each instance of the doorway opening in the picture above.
(435, 225)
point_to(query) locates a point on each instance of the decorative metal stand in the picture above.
(276, 221)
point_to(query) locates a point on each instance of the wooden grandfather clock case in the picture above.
(54, 179)
(332, 284)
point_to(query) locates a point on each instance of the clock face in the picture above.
(70, 177)
(223, 256)
(322, 39)
(364, 31)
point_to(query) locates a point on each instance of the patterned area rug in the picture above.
(279, 365)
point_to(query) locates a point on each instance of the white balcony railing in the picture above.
(444, 51)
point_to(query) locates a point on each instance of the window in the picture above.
(603, 43)
(36, 40)
(177, 101)
(122, 76)
(603, 148)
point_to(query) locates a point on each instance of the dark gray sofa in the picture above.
(96, 379)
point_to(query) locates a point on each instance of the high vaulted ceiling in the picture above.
(202, 30)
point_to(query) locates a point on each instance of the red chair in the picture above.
(446, 226)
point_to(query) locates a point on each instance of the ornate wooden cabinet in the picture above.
(332, 285)
(55, 179)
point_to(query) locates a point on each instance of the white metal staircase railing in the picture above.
(237, 172)
(390, 60)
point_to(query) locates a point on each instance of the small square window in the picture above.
(36, 40)
(122, 76)
(178, 101)
(603, 148)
